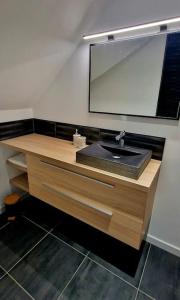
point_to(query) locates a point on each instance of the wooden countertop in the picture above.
(63, 151)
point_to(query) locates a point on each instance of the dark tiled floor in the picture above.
(1, 273)
(47, 269)
(83, 237)
(9, 290)
(46, 264)
(3, 221)
(162, 275)
(40, 212)
(133, 280)
(64, 231)
(94, 282)
(66, 239)
(16, 239)
(142, 296)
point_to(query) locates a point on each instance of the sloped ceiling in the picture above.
(37, 37)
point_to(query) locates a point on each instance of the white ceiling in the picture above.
(37, 37)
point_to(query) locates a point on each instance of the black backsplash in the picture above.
(45, 127)
(16, 128)
(66, 131)
(93, 134)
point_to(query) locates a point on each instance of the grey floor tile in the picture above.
(70, 230)
(9, 290)
(47, 269)
(161, 278)
(142, 296)
(40, 212)
(1, 273)
(3, 220)
(93, 282)
(133, 280)
(57, 232)
(16, 239)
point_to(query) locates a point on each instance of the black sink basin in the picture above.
(119, 152)
(126, 161)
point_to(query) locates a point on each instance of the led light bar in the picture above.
(132, 28)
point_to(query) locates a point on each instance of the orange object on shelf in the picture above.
(11, 199)
(11, 204)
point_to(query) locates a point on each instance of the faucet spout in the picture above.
(119, 138)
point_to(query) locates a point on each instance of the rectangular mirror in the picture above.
(138, 77)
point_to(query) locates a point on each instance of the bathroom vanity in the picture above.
(117, 205)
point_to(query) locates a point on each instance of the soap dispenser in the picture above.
(75, 138)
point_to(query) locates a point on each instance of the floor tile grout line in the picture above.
(2, 275)
(20, 286)
(28, 219)
(150, 297)
(59, 297)
(61, 240)
(29, 251)
(144, 266)
(86, 255)
(138, 288)
(3, 226)
(99, 264)
(50, 232)
(38, 225)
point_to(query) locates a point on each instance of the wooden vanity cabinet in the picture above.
(101, 201)
(119, 206)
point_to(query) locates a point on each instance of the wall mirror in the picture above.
(136, 77)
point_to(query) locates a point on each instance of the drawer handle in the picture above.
(81, 199)
(80, 175)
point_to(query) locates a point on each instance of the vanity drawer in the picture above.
(72, 203)
(119, 225)
(104, 191)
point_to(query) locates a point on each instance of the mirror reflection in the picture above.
(126, 77)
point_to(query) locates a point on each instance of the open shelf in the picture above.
(18, 161)
(21, 181)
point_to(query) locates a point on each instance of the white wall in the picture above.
(132, 85)
(67, 101)
(15, 114)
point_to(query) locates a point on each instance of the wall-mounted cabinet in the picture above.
(117, 205)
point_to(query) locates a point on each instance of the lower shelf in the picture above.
(21, 181)
(18, 161)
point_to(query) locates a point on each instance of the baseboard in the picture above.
(163, 245)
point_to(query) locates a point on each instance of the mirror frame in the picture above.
(160, 90)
